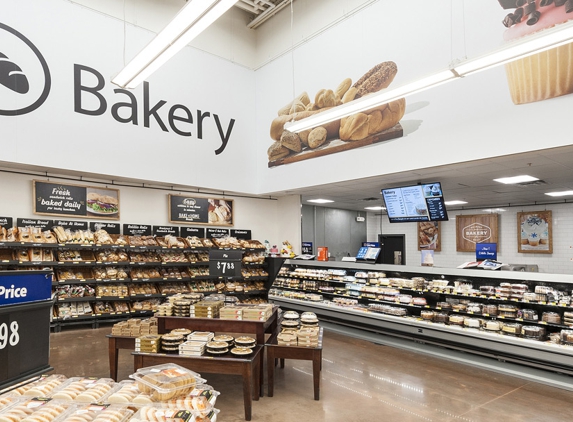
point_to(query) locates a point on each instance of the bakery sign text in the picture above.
(476, 233)
(89, 100)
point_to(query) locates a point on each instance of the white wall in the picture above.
(559, 262)
(228, 37)
(272, 220)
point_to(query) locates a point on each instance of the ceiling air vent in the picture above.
(534, 183)
(371, 199)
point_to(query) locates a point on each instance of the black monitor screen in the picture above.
(415, 203)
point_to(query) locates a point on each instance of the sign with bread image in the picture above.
(365, 128)
(52, 198)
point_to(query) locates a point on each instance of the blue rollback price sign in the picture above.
(24, 288)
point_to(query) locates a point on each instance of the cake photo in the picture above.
(543, 75)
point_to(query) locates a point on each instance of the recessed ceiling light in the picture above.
(375, 208)
(516, 179)
(562, 193)
(494, 210)
(320, 201)
(455, 202)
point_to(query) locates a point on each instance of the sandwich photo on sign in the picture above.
(102, 202)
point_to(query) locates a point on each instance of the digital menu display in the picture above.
(415, 203)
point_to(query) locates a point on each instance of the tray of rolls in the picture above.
(75, 256)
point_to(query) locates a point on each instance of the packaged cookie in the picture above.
(84, 389)
(98, 413)
(34, 409)
(152, 413)
(166, 381)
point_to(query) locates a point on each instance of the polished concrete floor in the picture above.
(361, 381)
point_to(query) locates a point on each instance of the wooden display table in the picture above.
(248, 367)
(274, 351)
(116, 343)
(257, 328)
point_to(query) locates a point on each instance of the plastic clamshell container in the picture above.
(124, 392)
(166, 381)
(8, 399)
(84, 389)
(97, 413)
(41, 387)
(45, 408)
(201, 399)
(154, 413)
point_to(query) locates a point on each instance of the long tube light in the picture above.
(191, 20)
(532, 44)
(535, 43)
(371, 101)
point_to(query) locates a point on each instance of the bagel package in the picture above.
(355, 127)
(163, 382)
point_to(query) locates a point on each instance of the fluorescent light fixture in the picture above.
(375, 208)
(370, 101)
(455, 202)
(516, 179)
(529, 45)
(191, 20)
(320, 201)
(562, 193)
(532, 44)
(492, 210)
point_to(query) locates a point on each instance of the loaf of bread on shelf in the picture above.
(377, 78)
(342, 88)
(293, 106)
(361, 125)
(278, 124)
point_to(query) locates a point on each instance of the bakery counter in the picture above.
(550, 356)
(436, 272)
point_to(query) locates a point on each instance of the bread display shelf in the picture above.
(77, 299)
(336, 145)
(27, 245)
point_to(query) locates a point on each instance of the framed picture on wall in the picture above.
(472, 229)
(429, 236)
(534, 232)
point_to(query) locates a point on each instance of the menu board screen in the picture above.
(415, 203)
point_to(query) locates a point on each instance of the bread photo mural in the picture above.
(375, 125)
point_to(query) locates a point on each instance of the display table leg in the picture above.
(113, 355)
(248, 390)
(271, 362)
(316, 367)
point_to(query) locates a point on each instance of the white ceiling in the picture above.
(471, 182)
